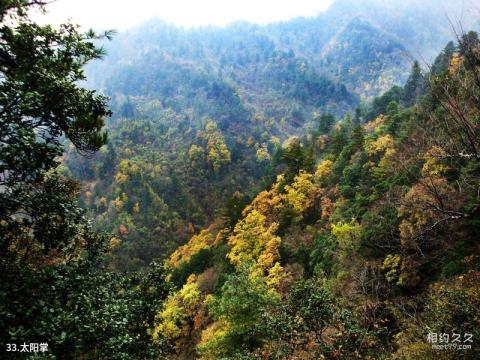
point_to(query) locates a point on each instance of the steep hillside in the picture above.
(252, 86)
(365, 246)
(194, 122)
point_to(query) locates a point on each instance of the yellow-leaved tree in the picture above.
(300, 195)
(218, 154)
(348, 237)
(206, 239)
(254, 242)
(324, 170)
(173, 322)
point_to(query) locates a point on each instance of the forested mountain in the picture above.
(163, 175)
(299, 190)
(364, 245)
(370, 45)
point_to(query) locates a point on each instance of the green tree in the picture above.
(380, 104)
(442, 62)
(325, 123)
(415, 85)
(240, 310)
(357, 135)
(311, 303)
(299, 322)
(40, 102)
(297, 157)
(233, 209)
(339, 140)
(51, 287)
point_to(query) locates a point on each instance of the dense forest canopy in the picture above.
(260, 85)
(296, 190)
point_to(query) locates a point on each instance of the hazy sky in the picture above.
(121, 14)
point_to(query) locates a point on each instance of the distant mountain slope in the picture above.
(399, 32)
(242, 56)
(423, 27)
(367, 45)
(367, 58)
